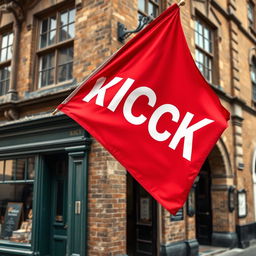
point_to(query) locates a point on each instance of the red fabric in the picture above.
(159, 61)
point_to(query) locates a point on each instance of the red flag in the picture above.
(151, 108)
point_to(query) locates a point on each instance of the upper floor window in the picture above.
(251, 13)
(56, 48)
(253, 78)
(204, 49)
(149, 7)
(6, 42)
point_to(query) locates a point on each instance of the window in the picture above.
(56, 48)
(149, 7)
(250, 14)
(204, 50)
(6, 42)
(16, 197)
(253, 78)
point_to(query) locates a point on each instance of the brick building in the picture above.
(61, 192)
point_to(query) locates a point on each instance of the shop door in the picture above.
(58, 169)
(203, 206)
(142, 221)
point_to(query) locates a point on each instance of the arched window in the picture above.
(253, 78)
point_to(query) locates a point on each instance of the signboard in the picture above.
(11, 219)
(242, 207)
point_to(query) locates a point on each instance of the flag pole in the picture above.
(181, 3)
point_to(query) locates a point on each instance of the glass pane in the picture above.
(72, 14)
(62, 73)
(71, 30)
(31, 168)
(70, 71)
(64, 18)
(3, 54)
(10, 38)
(1, 170)
(65, 55)
(141, 5)
(43, 63)
(63, 33)
(52, 37)
(43, 40)
(52, 23)
(253, 75)
(9, 53)
(207, 45)
(21, 169)
(42, 79)
(9, 170)
(200, 41)
(16, 212)
(44, 26)
(50, 76)
(152, 10)
(4, 41)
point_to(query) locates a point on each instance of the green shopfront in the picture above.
(43, 183)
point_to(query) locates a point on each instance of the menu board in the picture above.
(11, 219)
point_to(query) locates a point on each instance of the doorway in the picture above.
(56, 202)
(204, 206)
(141, 220)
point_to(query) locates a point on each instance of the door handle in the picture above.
(78, 207)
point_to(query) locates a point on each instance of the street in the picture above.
(250, 251)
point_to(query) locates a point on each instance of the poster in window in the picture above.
(11, 219)
(242, 209)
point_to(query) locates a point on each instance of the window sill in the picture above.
(50, 89)
(15, 248)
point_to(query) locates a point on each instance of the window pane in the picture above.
(63, 33)
(42, 79)
(253, 75)
(9, 53)
(10, 38)
(16, 212)
(20, 172)
(9, 170)
(65, 55)
(152, 10)
(52, 23)
(43, 40)
(50, 76)
(3, 54)
(31, 168)
(141, 5)
(52, 37)
(71, 31)
(44, 26)
(1, 170)
(72, 14)
(64, 18)
(4, 41)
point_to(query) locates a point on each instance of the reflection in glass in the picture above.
(9, 170)
(141, 5)
(20, 169)
(31, 168)
(1, 170)
(18, 227)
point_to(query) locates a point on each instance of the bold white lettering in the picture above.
(134, 95)
(100, 91)
(186, 132)
(120, 94)
(152, 124)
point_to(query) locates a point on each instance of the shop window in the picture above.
(55, 51)
(253, 78)
(251, 14)
(6, 42)
(204, 49)
(16, 197)
(149, 7)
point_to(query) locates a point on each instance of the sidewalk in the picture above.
(219, 251)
